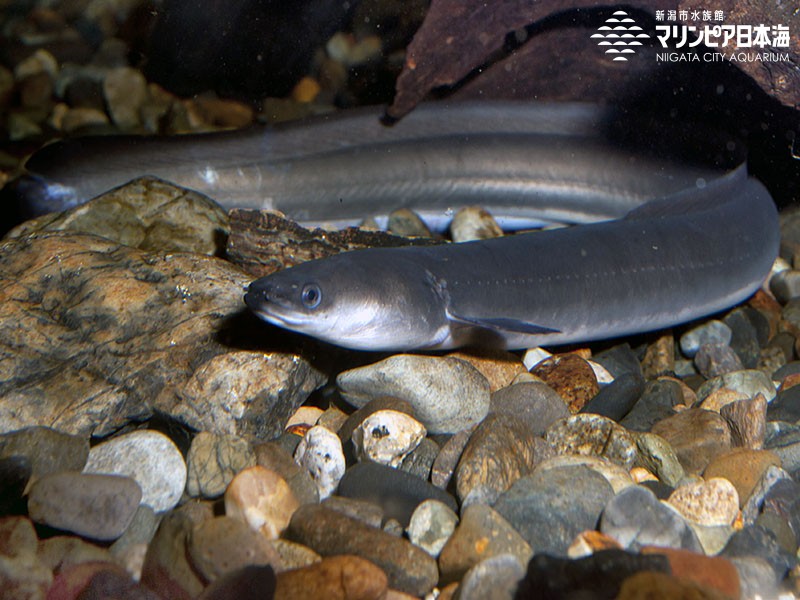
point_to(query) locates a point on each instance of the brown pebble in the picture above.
(649, 585)
(748, 421)
(571, 376)
(659, 358)
(743, 467)
(713, 572)
(719, 398)
(498, 366)
(343, 577)
(696, 435)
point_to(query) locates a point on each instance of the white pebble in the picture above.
(320, 452)
(387, 437)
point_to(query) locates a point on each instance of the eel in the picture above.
(658, 243)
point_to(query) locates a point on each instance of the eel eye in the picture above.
(311, 295)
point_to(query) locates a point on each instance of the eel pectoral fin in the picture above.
(502, 324)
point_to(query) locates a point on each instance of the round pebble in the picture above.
(387, 437)
(431, 525)
(570, 376)
(711, 502)
(262, 499)
(95, 506)
(320, 453)
(537, 404)
(447, 394)
(148, 457)
(473, 223)
(697, 436)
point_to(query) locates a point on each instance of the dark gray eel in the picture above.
(684, 242)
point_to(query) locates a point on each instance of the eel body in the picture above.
(659, 244)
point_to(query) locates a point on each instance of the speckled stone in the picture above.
(636, 518)
(444, 466)
(96, 506)
(743, 468)
(148, 457)
(498, 366)
(378, 404)
(720, 398)
(748, 421)
(501, 450)
(431, 525)
(387, 437)
(711, 502)
(447, 394)
(320, 452)
(537, 404)
(710, 332)
(223, 544)
(482, 533)
(659, 357)
(748, 382)
(212, 462)
(697, 435)
(408, 568)
(593, 435)
(551, 507)
(713, 360)
(473, 223)
(334, 578)
(571, 377)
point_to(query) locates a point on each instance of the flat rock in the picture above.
(551, 507)
(320, 453)
(148, 457)
(408, 568)
(444, 466)
(697, 435)
(481, 534)
(223, 544)
(636, 518)
(534, 403)
(398, 492)
(709, 503)
(250, 394)
(593, 435)
(447, 394)
(95, 506)
(46, 450)
(262, 499)
(500, 450)
(147, 213)
(334, 578)
(115, 333)
(571, 377)
(213, 461)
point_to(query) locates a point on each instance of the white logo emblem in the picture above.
(620, 33)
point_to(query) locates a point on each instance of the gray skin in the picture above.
(685, 242)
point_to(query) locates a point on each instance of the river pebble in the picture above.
(96, 506)
(616, 399)
(482, 533)
(444, 466)
(713, 360)
(744, 338)
(431, 526)
(273, 457)
(399, 493)
(711, 572)
(617, 476)
(755, 540)
(551, 507)
(570, 376)
(744, 468)
(46, 450)
(148, 457)
(247, 583)
(636, 518)
(212, 462)
(712, 502)
(447, 394)
(536, 404)
(783, 499)
(320, 453)
(473, 223)
(785, 406)
(387, 437)
(657, 401)
(262, 499)
(756, 577)
(223, 544)
(748, 382)
(419, 461)
(710, 332)
(697, 435)
(747, 419)
(130, 549)
(408, 568)
(501, 368)
(593, 435)
(334, 578)
(658, 456)
(495, 578)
